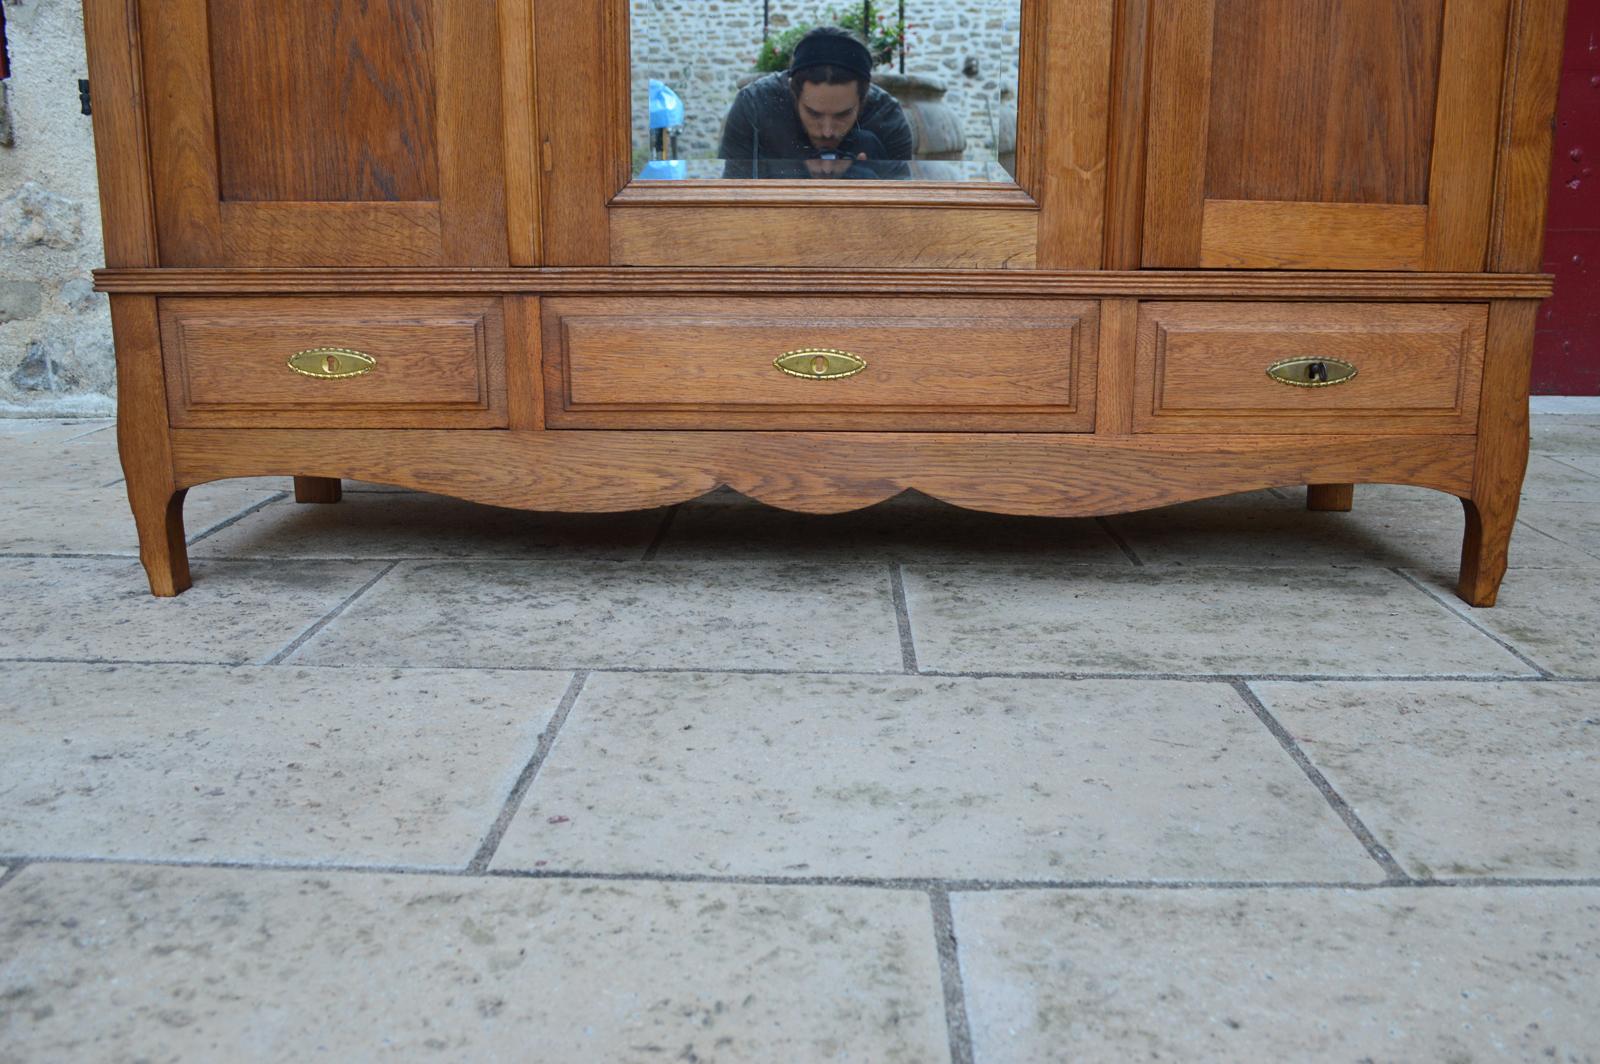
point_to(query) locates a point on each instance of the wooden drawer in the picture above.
(930, 364)
(1203, 367)
(438, 361)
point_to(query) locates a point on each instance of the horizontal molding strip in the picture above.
(1110, 284)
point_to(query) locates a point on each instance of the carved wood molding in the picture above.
(1108, 284)
(1060, 475)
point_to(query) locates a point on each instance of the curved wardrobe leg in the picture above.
(162, 547)
(1502, 452)
(144, 444)
(318, 489)
(1485, 551)
(1335, 498)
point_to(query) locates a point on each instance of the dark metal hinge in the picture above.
(83, 96)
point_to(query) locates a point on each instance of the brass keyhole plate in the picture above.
(820, 364)
(332, 363)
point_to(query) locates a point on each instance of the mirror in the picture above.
(779, 89)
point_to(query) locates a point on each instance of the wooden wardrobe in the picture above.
(1251, 243)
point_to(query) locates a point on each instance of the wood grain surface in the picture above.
(1275, 124)
(325, 101)
(1323, 103)
(145, 444)
(122, 145)
(1502, 453)
(325, 135)
(824, 237)
(1111, 284)
(440, 361)
(1017, 365)
(1203, 367)
(1058, 474)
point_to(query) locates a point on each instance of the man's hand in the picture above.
(833, 167)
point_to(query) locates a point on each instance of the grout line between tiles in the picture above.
(902, 613)
(547, 739)
(1122, 544)
(236, 518)
(1220, 678)
(1374, 848)
(91, 432)
(1469, 619)
(955, 996)
(132, 556)
(660, 537)
(328, 618)
(1562, 460)
(919, 885)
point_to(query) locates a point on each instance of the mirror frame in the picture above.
(594, 214)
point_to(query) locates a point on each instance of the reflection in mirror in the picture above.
(794, 89)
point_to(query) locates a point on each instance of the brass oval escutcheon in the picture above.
(332, 363)
(1312, 372)
(820, 364)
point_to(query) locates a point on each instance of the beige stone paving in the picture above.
(1316, 621)
(551, 615)
(269, 765)
(1460, 780)
(116, 963)
(409, 838)
(1291, 975)
(913, 777)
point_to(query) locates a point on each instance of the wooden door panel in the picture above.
(303, 133)
(1308, 134)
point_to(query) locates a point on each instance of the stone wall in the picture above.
(55, 331)
(702, 47)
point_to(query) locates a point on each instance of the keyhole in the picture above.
(819, 365)
(331, 364)
(1317, 371)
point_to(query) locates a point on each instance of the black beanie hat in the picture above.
(832, 49)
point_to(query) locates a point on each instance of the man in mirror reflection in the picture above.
(821, 118)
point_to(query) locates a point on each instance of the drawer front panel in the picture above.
(435, 362)
(920, 364)
(1203, 367)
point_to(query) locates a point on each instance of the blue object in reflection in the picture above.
(666, 121)
(664, 170)
(666, 107)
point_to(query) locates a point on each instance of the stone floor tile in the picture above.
(1574, 525)
(1413, 528)
(102, 610)
(1560, 434)
(337, 766)
(1317, 621)
(56, 460)
(50, 430)
(1562, 480)
(908, 527)
(98, 520)
(912, 777)
(107, 962)
(1460, 779)
(1551, 615)
(1587, 463)
(570, 615)
(1397, 974)
(376, 524)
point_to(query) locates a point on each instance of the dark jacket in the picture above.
(763, 137)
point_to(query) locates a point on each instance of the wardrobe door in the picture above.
(1323, 134)
(325, 133)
